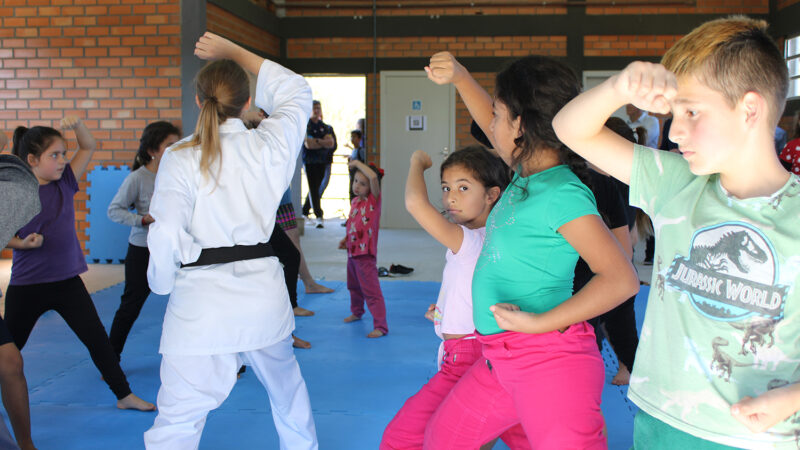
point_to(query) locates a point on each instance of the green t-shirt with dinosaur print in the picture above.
(723, 317)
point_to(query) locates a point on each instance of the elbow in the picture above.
(412, 204)
(631, 282)
(561, 128)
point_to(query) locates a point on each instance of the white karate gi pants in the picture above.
(191, 386)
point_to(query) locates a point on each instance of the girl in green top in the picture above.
(542, 367)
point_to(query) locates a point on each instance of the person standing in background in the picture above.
(318, 148)
(638, 118)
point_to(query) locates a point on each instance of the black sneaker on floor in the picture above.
(402, 270)
(320, 225)
(382, 272)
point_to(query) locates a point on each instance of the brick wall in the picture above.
(698, 7)
(425, 46)
(117, 66)
(231, 26)
(627, 45)
(785, 3)
(294, 9)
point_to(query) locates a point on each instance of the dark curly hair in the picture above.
(534, 89)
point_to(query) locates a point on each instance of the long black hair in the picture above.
(152, 137)
(33, 141)
(535, 88)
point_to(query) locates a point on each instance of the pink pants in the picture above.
(362, 281)
(551, 383)
(407, 429)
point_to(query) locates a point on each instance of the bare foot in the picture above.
(623, 376)
(302, 312)
(299, 343)
(134, 402)
(316, 288)
(351, 318)
(376, 333)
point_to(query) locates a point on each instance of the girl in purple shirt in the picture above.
(48, 258)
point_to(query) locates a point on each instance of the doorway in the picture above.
(343, 100)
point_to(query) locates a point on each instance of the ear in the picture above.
(33, 161)
(754, 107)
(517, 125)
(246, 107)
(197, 101)
(492, 194)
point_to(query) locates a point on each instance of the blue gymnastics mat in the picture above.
(108, 241)
(356, 384)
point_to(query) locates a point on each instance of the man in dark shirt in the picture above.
(318, 148)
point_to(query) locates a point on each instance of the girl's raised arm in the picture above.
(447, 233)
(444, 69)
(86, 145)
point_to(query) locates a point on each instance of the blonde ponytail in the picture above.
(223, 90)
(207, 135)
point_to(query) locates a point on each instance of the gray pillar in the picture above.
(193, 25)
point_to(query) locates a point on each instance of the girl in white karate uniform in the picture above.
(217, 192)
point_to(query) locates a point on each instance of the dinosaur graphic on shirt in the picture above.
(724, 362)
(755, 333)
(660, 279)
(731, 247)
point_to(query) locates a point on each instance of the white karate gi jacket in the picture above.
(244, 305)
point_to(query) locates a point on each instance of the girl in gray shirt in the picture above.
(130, 207)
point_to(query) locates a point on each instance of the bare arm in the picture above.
(443, 69)
(580, 124)
(447, 233)
(613, 282)
(86, 145)
(317, 143)
(623, 236)
(374, 183)
(33, 240)
(768, 409)
(328, 141)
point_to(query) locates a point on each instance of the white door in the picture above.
(416, 114)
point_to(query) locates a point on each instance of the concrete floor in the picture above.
(411, 248)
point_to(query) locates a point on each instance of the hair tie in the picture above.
(211, 98)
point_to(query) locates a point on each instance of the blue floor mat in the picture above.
(356, 384)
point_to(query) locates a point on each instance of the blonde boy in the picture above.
(719, 359)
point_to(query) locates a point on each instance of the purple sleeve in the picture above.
(68, 179)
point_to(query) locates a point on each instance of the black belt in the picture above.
(221, 255)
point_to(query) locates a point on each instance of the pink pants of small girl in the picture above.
(407, 430)
(362, 281)
(551, 383)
